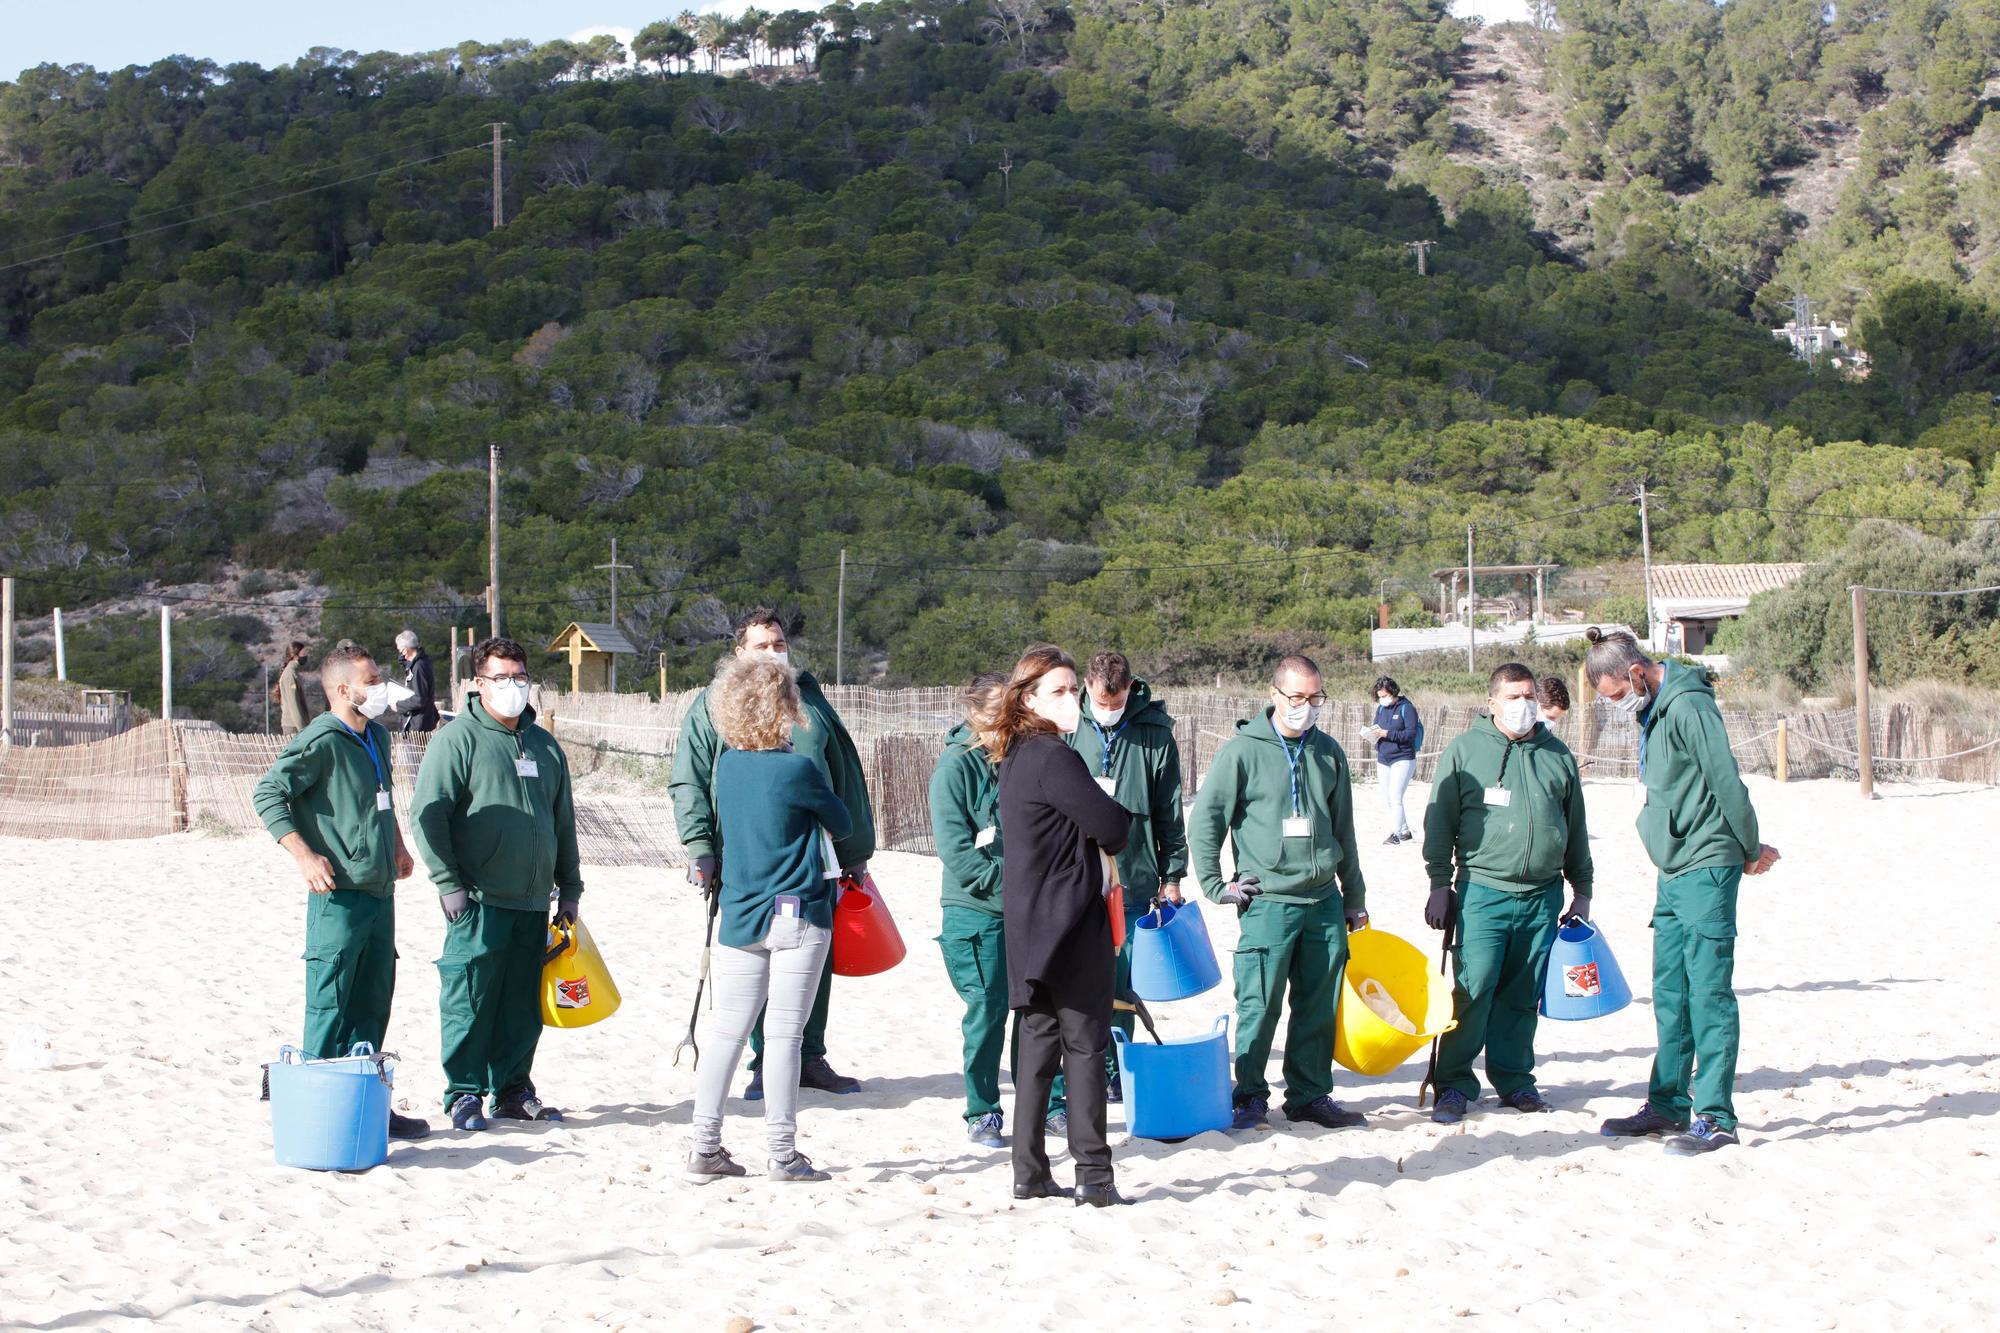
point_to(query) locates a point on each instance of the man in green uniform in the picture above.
(496, 825)
(327, 802)
(965, 824)
(1280, 790)
(1127, 739)
(825, 739)
(1507, 807)
(1700, 830)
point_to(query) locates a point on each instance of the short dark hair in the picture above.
(333, 668)
(505, 649)
(1552, 692)
(755, 616)
(298, 648)
(1296, 663)
(1508, 673)
(1111, 670)
(1387, 685)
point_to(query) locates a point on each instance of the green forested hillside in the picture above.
(1004, 300)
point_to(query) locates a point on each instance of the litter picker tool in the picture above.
(1427, 1091)
(713, 893)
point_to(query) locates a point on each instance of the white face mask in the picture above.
(1516, 716)
(1631, 703)
(1385, 701)
(374, 701)
(1297, 717)
(506, 698)
(1065, 711)
(1108, 717)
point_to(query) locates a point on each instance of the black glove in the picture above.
(1357, 917)
(1579, 909)
(565, 913)
(1437, 912)
(701, 872)
(456, 904)
(1238, 892)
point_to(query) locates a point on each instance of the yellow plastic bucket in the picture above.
(1362, 1041)
(577, 989)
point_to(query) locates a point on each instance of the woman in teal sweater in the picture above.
(776, 908)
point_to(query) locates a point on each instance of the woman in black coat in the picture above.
(1056, 823)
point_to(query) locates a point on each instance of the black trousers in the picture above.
(1054, 1037)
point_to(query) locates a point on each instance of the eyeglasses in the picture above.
(507, 680)
(1316, 700)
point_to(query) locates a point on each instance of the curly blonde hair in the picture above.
(755, 703)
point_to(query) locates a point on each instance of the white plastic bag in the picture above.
(1383, 1005)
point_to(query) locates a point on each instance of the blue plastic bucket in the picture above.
(1177, 1089)
(331, 1115)
(1583, 980)
(1171, 956)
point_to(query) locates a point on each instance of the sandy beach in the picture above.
(140, 1189)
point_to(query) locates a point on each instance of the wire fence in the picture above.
(163, 778)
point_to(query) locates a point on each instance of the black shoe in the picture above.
(1328, 1112)
(408, 1127)
(1703, 1136)
(1527, 1101)
(1041, 1189)
(1251, 1113)
(466, 1112)
(525, 1106)
(1114, 1091)
(820, 1076)
(753, 1091)
(1647, 1122)
(1100, 1196)
(1450, 1108)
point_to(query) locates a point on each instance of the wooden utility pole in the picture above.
(614, 567)
(6, 662)
(499, 204)
(1646, 554)
(1422, 250)
(492, 538)
(1864, 735)
(1470, 602)
(166, 664)
(840, 621)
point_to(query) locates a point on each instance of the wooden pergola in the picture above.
(1458, 572)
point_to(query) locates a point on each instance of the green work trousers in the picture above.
(350, 970)
(1503, 952)
(1694, 995)
(813, 1045)
(1295, 950)
(974, 945)
(490, 1000)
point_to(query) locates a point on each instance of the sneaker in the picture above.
(1057, 1125)
(1527, 1101)
(753, 1091)
(985, 1131)
(1647, 1122)
(1251, 1113)
(525, 1106)
(1114, 1091)
(1328, 1112)
(1704, 1135)
(797, 1170)
(818, 1075)
(1450, 1109)
(707, 1166)
(466, 1112)
(408, 1127)
(1392, 840)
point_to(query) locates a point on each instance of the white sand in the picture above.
(138, 1185)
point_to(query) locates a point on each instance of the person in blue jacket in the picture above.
(1395, 734)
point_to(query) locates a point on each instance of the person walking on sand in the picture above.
(327, 800)
(290, 692)
(419, 711)
(1396, 734)
(1061, 830)
(1281, 793)
(775, 914)
(496, 824)
(1127, 740)
(1507, 808)
(825, 741)
(965, 825)
(1701, 832)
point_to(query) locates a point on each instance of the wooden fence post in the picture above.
(1784, 752)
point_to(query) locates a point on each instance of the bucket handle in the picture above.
(565, 943)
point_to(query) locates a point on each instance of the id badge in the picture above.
(1107, 785)
(527, 768)
(787, 904)
(985, 837)
(383, 801)
(1499, 796)
(1298, 826)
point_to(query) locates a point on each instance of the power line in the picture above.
(1931, 592)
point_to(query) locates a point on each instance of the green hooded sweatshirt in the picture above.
(965, 801)
(1523, 844)
(1697, 813)
(1146, 768)
(825, 742)
(1247, 796)
(483, 826)
(323, 788)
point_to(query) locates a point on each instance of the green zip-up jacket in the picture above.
(1697, 813)
(965, 801)
(322, 788)
(1247, 796)
(1520, 846)
(825, 742)
(483, 826)
(1146, 768)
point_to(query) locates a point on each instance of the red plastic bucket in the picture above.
(865, 938)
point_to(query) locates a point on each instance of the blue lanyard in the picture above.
(1107, 739)
(1292, 760)
(367, 740)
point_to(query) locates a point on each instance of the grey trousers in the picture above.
(745, 981)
